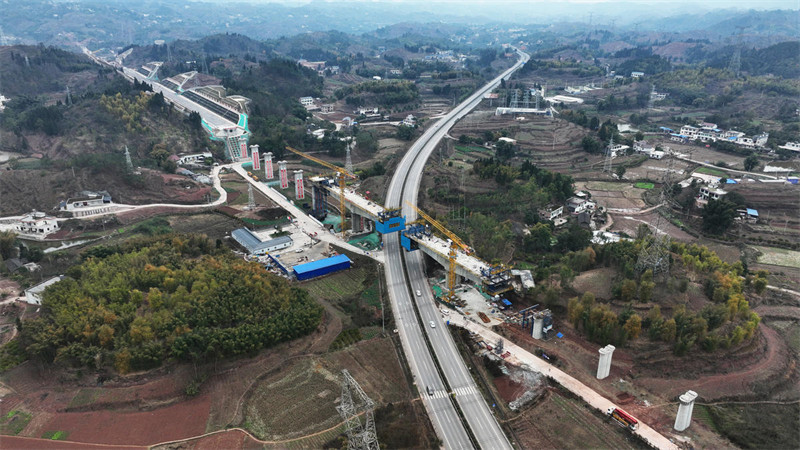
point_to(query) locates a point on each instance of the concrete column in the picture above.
(684, 418)
(299, 192)
(284, 176)
(356, 223)
(268, 166)
(255, 156)
(604, 365)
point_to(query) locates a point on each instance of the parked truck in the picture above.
(623, 418)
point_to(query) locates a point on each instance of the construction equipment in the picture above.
(341, 175)
(455, 244)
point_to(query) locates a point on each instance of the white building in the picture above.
(793, 146)
(689, 131)
(551, 212)
(618, 149)
(637, 74)
(307, 101)
(409, 121)
(707, 193)
(198, 158)
(37, 223)
(33, 295)
(577, 205)
(508, 140)
(85, 199)
(643, 147)
(327, 108)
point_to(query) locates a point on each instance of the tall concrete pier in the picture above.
(604, 365)
(684, 418)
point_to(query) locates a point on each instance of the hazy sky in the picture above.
(705, 4)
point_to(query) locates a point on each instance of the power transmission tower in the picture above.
(354, 402)
(609, 156)
(69, 97)
(735, 64)
(655, 255)
(348, 161)
(128, 162)
(251, 200)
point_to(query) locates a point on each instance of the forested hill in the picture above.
(210, 47)
(138, 304)
(781, 59)
(37, 70)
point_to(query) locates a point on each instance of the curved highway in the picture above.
(450, 428)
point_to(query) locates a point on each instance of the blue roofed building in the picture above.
(322, 267)
(255, 246)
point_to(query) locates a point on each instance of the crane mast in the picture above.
(341, 175)
(455, 244)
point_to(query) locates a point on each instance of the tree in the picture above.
(575, 238)
(669, 331)
(539, 239)
(760, 285)
(751, 162)
(620, 171)
(646, 286)
(633, 326)
(405, 132)
(505, 150)
(7, 240)
(628, 290)
(718, 216)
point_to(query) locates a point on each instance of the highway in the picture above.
(405, 186)
(212, 118)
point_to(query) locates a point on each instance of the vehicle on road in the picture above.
(623, 418)
(430, 391)
(433, 324)
(419, 293)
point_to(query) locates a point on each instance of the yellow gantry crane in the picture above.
(341, 175)
(455, 244)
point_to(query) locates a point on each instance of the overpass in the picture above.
(412, 236)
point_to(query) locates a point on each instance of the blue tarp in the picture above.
(730, 181)
(752, 212)
(506, 302)
(559, 335)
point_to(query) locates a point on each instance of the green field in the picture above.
(55, 435)
(710, 171)
(469, 149)
(779, 257)
(643, 185)
(14, 422)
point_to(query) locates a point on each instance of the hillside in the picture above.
(27, 70)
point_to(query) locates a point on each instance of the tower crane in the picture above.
(455, 244)
(341, 175)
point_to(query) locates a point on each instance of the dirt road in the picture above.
(520, 356)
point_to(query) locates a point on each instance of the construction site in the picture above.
(544, 379)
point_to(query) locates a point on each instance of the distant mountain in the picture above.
(114, 24)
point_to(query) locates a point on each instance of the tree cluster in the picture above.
(134, 305)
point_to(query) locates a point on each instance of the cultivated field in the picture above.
(560, 421)
(779, 257)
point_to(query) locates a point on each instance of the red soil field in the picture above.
(179, 421)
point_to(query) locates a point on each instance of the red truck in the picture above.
(623, 418)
